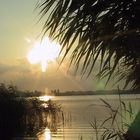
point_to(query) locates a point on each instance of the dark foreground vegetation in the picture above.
(25, 117)
(97, 32)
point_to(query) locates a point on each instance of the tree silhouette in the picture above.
(104, 31)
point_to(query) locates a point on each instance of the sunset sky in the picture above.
(18, 32)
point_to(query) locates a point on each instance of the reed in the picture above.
(120, 119)
(19, 116)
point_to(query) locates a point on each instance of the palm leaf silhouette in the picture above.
(105, 31)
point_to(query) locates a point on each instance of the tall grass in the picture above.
(19, 116)
(119, 120)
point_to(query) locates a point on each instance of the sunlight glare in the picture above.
(45, 98)
(46, 135)
(43, 65)
(28, 40)
(43, 52)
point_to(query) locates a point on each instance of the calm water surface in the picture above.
(81, 111)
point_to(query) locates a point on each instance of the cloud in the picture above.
(19, 67)
(29, 77)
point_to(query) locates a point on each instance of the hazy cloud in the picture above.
(30, 77)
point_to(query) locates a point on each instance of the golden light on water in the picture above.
(43, 53)
(45, 98)
(46, 135)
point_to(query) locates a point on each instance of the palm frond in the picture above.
(107, 31)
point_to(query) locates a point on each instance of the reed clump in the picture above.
(117, 124)
(25, 117)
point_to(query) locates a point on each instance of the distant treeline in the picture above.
(15, 92)
(30, 93)
(99, 92)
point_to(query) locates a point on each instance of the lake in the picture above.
(80, 113)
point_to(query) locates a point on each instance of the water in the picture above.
(80, 113)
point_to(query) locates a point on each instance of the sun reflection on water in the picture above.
(45, 135)
(45, 98)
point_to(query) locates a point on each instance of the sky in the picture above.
(18, 30)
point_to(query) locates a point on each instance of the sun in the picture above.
(43, 52)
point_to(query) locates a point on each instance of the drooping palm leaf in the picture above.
(97, 30)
